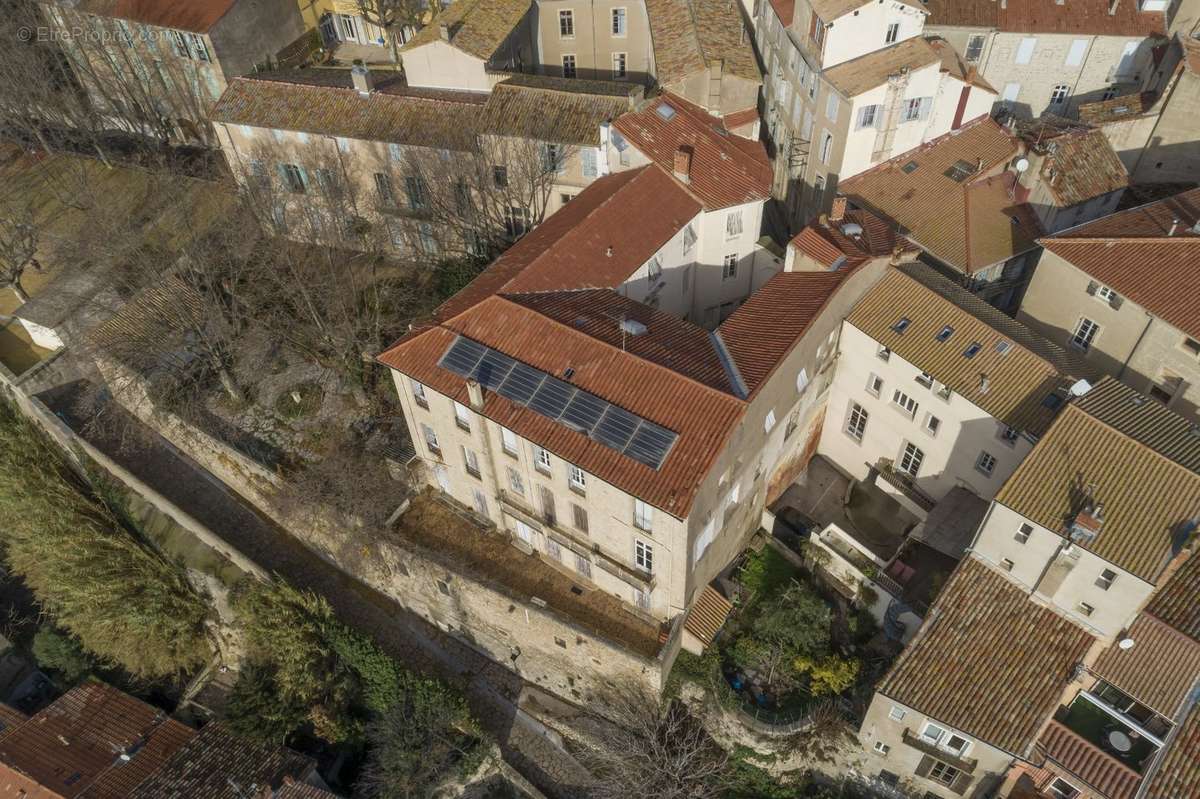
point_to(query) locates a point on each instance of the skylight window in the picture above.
(960, 171)
(666, 111)
(945, 334)
(1003, 347)
(902, 324)
(1052, 401)
(972, 350)
(909, 168)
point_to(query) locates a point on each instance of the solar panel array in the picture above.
(559, 401)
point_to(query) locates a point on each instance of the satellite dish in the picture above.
(1125, 643)
(1022, 164)
(1080, 388)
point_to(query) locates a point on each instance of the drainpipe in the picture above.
(475, 394)
(1136, 344)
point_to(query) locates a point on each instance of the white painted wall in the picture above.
(437, 65)
(865, 30)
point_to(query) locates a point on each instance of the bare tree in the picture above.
(653, 748)
(18, 247)
(394, 15)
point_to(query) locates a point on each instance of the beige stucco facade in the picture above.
(1131, 344)
(586, 31)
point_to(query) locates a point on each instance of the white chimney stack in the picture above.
(361, 77)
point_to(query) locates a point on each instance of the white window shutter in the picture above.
(1076, 53)
(926, 108)
(1025, 50)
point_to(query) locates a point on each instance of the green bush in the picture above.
(61, 654)
(789, 626)
(766, 572)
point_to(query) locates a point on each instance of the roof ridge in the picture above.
(1074, 404)
(1116, 239)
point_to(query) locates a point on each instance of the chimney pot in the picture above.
(362, 79)
(683, 164)
(838, 211)
(475, 394)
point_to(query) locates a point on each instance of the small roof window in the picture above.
(902, 324)
(945, 334)
(1003, 346)
(1052, 401)
(960, 171)
(972, 349)
(909, 168)
(665, 110)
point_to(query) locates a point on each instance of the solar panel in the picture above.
(583, 411)
(492, 369)
(521, 382)
(552, 397)
(614, 427)
(462, 356)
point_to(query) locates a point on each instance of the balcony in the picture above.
(885, 468)
(963, 764)
(1126, 742)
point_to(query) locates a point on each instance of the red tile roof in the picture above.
(785, 10)
(764, 329)
(1158, 670)
(197, 16)
(1176, 776)
(1131, 252)
(1080, 163)
(1177, 603)
(1048, 16)
(74, 746)
(826, 242)
(726, 169)
(298, 790)
(983, 632)
(1112, 778)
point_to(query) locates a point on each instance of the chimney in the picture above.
(984, 383)
(1087, 524)
(683, 164)
(475, 395)
(1174, 224)
(444, 29)
(360, 76)
(838, 211)
(1112, 7)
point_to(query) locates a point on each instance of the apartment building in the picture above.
(365, 160)
(936, 390)
(1046, 57)
(849, 85)
(156, 68)
(607, 41)
(976, 199)
(472, 45)
(1121, 291)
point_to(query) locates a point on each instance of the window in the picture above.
(916, 108)
(568, 62)
(831, 106)
(932, 424)
(904, 402)
(618, 65)
(641, 599)
(1022, 534)
(974, 48)
(769, 421)
(541, 460)
(1086, 609)
(618, 22)
(1106, 578)
(643, 515)
(925, 379)
(1105, 294)
(418, 193)
(1192, 346)
(508, 441)
(654, 270)
(555, 552)
(552, 158)
(431, 439)
(704, 539)
(1007, 564)
(893, 31)
(643, 555)
(868, 117)
(973, 349)
(443, 586)
(515, 482)
(901, 324)
(1009, 435)
(471, 462)
(1058, 94)
(179, 44)
(293, 178)
(462, 417)
(944, 334)
(910, 461)
(826, 149)
(816, 29)
(429, 244)
(1011, 92)
(733, 224)
(1076, 53)
(1085, 334)
(1025, 50)
(481, 506)
(882, 748)
(932, 732)
(588, 157)
(516, 222)
(583, 566)
(802, 381)
(729, 268)
(943, 773)
(579, 518)
(897, 713)
(689, 239)
(883, 353)
(1061, 789)
(986, 463)
(576, 478)
(856, 421)
(199, 47)
(956, 744)
(418, 391)
(874, 385)
(500, 176)
(566, 24)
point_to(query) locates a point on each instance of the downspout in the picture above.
(1136, 344)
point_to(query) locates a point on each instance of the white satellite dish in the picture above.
(1080, 388)
(1125, 643)
(1022, 164)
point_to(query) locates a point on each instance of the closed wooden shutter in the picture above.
(924, 766)
(961, 783)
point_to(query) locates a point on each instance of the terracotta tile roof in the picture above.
(299, 790)
(477, 27)
(785, 10)
(1131, 252)
(1046, 16)
(1080, 163)
(98, 723)
(668, 341)
(707, 615)
(826, 242)
(1123, 107)
(726, 169)
(217, 764)
(689, 35)
(1176, 775)
(760, 333)
(1148, 423)
(393, 113)
(852, 78)
(10, 719)
(1158, 670)
(1018, 380)
(984, 632)
(197, 16)
(558, 110)
(1102, 772)
(1146, 496)
(969, 225)
(1177, 603)
(702, 417)
(954, 65)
